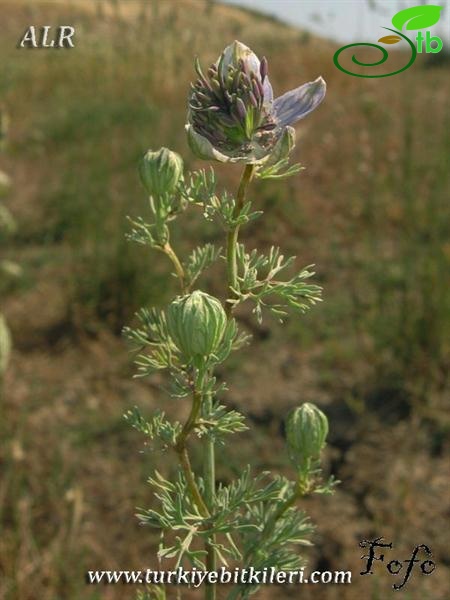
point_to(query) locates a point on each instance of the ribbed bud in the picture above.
(160, 171)
(5, 345)
(196, 324)
(306, 433)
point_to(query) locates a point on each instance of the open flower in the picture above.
(232, 114)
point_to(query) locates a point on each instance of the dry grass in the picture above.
(371, 211)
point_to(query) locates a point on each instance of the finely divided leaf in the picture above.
(200, 259)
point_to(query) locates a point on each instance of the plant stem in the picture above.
(183, 455)
(209, 475)
(190, 479)
(169, 251)
(232, 238)
(271, 523)
(206, 505)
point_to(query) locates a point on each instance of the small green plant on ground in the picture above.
(252, 521)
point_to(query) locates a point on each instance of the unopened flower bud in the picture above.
(196, 324)
(306, 432)
(160, 171)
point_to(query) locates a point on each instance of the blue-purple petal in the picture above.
(283, 147)
(235, 52)
(296, 104)
(268, 92)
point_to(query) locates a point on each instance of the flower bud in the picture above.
(306, 432)
(160, 171)
(196, 324)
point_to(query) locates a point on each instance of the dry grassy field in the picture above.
(371, 210)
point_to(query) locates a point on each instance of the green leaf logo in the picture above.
(417, 17)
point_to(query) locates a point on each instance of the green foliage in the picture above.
(76, 150)
(269, 535)
(152, 335)
(258, 281)
(103, 128)
(217, 422)
(161, 352)
(179, 514)
(158, 427)
(223, 210)
(199, 260)
(245, 509)
(279, 170)
(164, 208)
(251, 519)
(200, 190)
(199, 187)
(153, 592)
(143, 233)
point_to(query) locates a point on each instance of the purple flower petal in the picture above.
(283, 147)
(268, 92)
(296, 104)
(231, 56)
(202, 147)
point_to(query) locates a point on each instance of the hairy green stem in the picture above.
(206, 505)
(270, 525)
(209, 475)
(169, 251)
(183, 455)
(232, 238)
(190, 479)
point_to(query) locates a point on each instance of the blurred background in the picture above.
(371, 211)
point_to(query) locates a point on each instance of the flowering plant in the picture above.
(233, 116)
(253, 520)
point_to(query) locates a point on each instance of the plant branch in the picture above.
(170, 252)
(183, 455)
(204, 506)
(232, 238)
(209, 474)
(270, 525)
